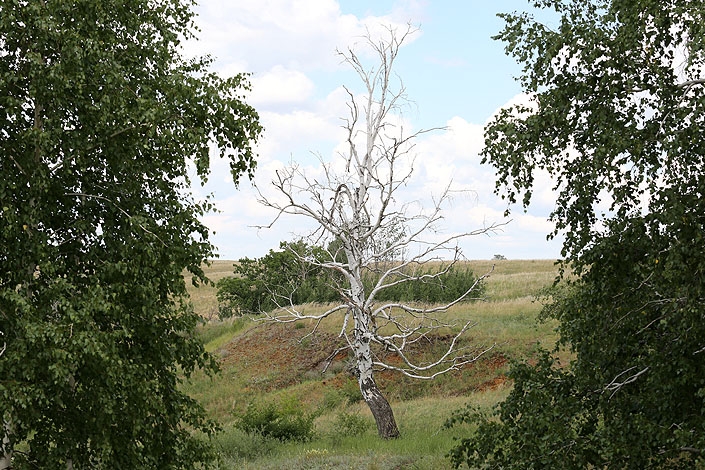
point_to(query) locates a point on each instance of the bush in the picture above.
(237, 296)
(284, 423)
(279, 278)
(351, 391)
(447, 287)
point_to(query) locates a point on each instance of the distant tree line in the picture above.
(283, 277)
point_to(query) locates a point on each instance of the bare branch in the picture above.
(329, 359)
(615, 384)
(290, 314)
(448, 362)
(690, 83)
(355, 206)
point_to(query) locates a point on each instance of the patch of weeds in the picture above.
(312, 374)
(315, 453)
(331, 399)
(234, 444)
(212, 331)
(335, 368)
(349, 424)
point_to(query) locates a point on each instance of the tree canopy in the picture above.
(615, 116)
(100, 120)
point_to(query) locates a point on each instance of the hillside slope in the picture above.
(284, 364)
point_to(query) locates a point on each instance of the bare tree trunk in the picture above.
(378, 404)
(380, 408)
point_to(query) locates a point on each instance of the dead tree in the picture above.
(365, 228)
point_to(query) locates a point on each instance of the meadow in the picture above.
(279, 366)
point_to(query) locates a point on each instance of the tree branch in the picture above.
(615, 385)
(690, 83)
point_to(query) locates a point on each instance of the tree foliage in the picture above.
(100, 118)
(616, 116)
(280, 277)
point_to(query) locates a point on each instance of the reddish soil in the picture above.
(278, 355)
(275, 356)
(493, 384)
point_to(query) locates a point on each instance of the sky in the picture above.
(456, 76)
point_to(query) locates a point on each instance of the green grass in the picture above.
(423, 443)
(264, 363)
(215, 335)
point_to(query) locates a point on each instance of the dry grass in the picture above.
(514, 279)
(203, 295)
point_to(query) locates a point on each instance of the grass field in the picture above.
(274, 364)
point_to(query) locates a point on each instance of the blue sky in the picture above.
(454, 67)
(454, 73)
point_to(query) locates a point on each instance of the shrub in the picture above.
(280, 277)
(237, 296)
(447, 287)
(351, 391)
(331, 399)
(284, 423)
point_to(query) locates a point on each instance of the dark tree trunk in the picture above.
(362, 335)
(382, 412)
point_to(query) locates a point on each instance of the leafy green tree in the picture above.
(281, 277)
(616, 116)
(100, 119)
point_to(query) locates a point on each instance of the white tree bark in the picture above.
(357, 207)
(6, 451)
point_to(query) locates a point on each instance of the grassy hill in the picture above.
(278, 365)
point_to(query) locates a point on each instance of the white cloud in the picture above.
(279, 86)
(534, 224)
(296, 133)
(453, 155)
(298, 34)
(286, 43)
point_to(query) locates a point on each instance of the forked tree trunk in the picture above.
(378, 404)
